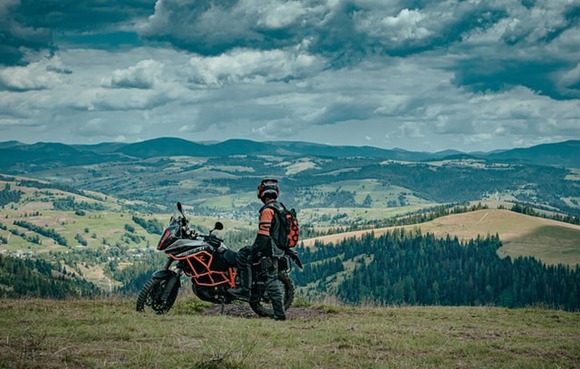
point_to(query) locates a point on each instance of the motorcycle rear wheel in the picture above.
(265, 309)
(151, 297)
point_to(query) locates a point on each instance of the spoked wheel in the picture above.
(264, 306)
(152, 297)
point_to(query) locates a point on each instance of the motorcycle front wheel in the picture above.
(152, 297)
(264, 306)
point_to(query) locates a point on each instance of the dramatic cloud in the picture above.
(247, 65)
(19, 39)
(28, 27)
(211, 27)
(422, 75)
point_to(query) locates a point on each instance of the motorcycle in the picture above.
(211, 267)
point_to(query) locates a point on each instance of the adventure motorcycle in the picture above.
(211, 265)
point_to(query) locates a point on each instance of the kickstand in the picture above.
(223, 308)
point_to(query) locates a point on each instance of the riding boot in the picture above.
(243, 291)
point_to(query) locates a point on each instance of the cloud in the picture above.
(243, 65)
(143, 75)
(421, 74)
(112, 130)
(20, 39)
(520, 50)
(107, 100)
(211, 27)
(40, 75)
(346, 32)
(340, 111)
(405, 26)
(29, 27)
(568, 81)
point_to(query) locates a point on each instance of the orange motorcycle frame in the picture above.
(201, 273)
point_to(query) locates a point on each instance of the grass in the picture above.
(522, 235)
(552, 244)
(110, 334)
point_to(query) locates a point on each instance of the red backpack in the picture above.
(285, 230)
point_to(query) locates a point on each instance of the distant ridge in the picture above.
(14, 153)
(10, 144)
(306, 148)
(241, 147)
(565, 154)
(165, 146)
(44, 155)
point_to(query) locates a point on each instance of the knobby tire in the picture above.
(150, 297)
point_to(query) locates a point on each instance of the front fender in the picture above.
(164, 274)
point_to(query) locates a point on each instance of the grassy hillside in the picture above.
(87, 233)
(550, 241)
(110, 334)
(83, 219)
(99, 219)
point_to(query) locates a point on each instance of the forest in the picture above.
(39, 278)
(7, 195)
(410, 268)
(397, 268)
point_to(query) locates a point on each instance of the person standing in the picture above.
(268, 192)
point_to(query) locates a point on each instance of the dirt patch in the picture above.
(244, 311)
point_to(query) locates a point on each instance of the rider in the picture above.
(268, 192)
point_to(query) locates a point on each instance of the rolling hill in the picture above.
(561, 154)
(550, 241)
(220, 178)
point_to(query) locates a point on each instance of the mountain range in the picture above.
(221, 177)
(16, 157)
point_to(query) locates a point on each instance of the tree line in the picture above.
(152, 226)
(408, 267)
(39, 278)
(7, 195)
(415, 217)
(47, 232)
(530, 210)
(69, 203)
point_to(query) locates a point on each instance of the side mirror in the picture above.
(218, 226)
(180, 208)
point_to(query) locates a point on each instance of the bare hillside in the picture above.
(548, 240)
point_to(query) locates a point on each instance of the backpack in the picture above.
(285, 231)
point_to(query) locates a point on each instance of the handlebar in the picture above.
(210, 238)
(213, 240)
(191, 233)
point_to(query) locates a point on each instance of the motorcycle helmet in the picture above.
(268, 188)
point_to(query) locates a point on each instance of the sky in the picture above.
(421, 75)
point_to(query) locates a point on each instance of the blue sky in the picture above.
(419, 75)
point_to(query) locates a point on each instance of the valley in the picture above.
(96, 213)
